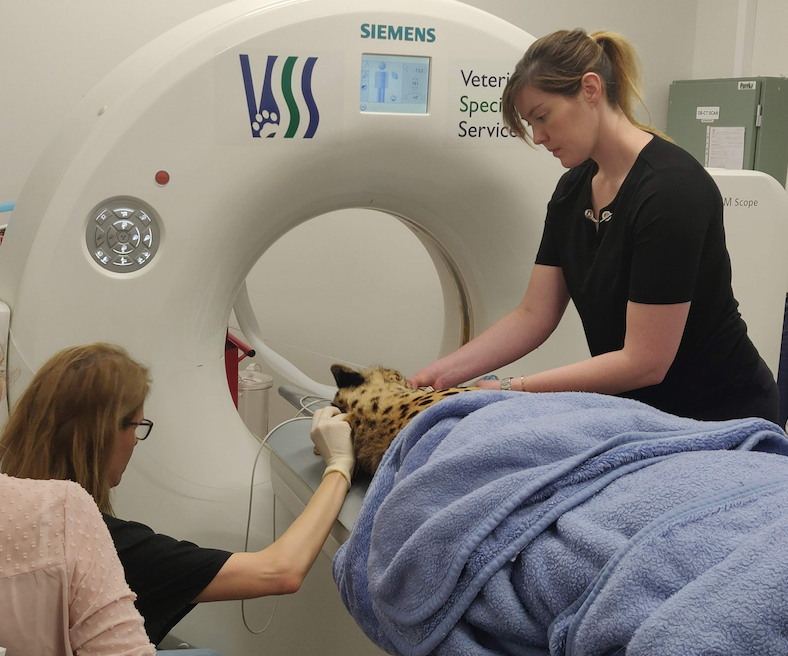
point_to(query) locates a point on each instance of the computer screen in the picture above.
(394, 84)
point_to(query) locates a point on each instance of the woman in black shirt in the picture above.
(80, 419)
(634, 237)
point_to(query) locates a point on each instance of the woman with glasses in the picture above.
(80, 419)
(41, 570)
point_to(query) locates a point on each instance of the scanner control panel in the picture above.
(122, 236)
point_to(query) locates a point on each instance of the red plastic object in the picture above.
(162, 178)
(232, 348)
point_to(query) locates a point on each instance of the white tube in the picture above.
(251, 330)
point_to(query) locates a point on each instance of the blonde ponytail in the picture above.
(556, 63)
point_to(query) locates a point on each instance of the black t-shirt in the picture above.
(164, 573)
(664, 243)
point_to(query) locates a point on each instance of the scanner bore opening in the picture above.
(358, 286)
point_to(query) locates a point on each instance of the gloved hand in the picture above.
(331, 435)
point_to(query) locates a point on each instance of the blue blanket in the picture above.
(510, 523)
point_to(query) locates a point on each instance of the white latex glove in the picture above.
(331, 435)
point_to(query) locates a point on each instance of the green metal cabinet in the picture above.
(757, 104)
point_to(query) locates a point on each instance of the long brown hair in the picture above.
(65, 423)
(556, 63)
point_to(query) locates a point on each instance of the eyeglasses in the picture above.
(142, 428)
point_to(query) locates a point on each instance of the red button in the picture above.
(162, 178)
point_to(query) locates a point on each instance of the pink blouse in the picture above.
(62, 587)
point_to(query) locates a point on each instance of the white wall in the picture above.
(735, 38)
(770, 51)
(715, 39)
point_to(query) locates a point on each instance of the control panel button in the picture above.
(123, 249)
(122, 261)
(100, 236)
(124, 213)
(112, 236)
(103, 216)
(144, 218)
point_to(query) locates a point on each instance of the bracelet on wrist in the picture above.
(506, 384)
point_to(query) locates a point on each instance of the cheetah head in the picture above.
(353, 385)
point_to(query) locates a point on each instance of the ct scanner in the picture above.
(264, 115)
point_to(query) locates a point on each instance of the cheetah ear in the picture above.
(346, 377)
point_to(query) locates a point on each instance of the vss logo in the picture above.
(266, 111)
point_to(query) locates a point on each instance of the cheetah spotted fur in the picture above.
(379, 403)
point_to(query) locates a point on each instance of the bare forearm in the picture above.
(653, 336)
(302, 542)
(280, 568)
(510, 338)
(610, 373)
